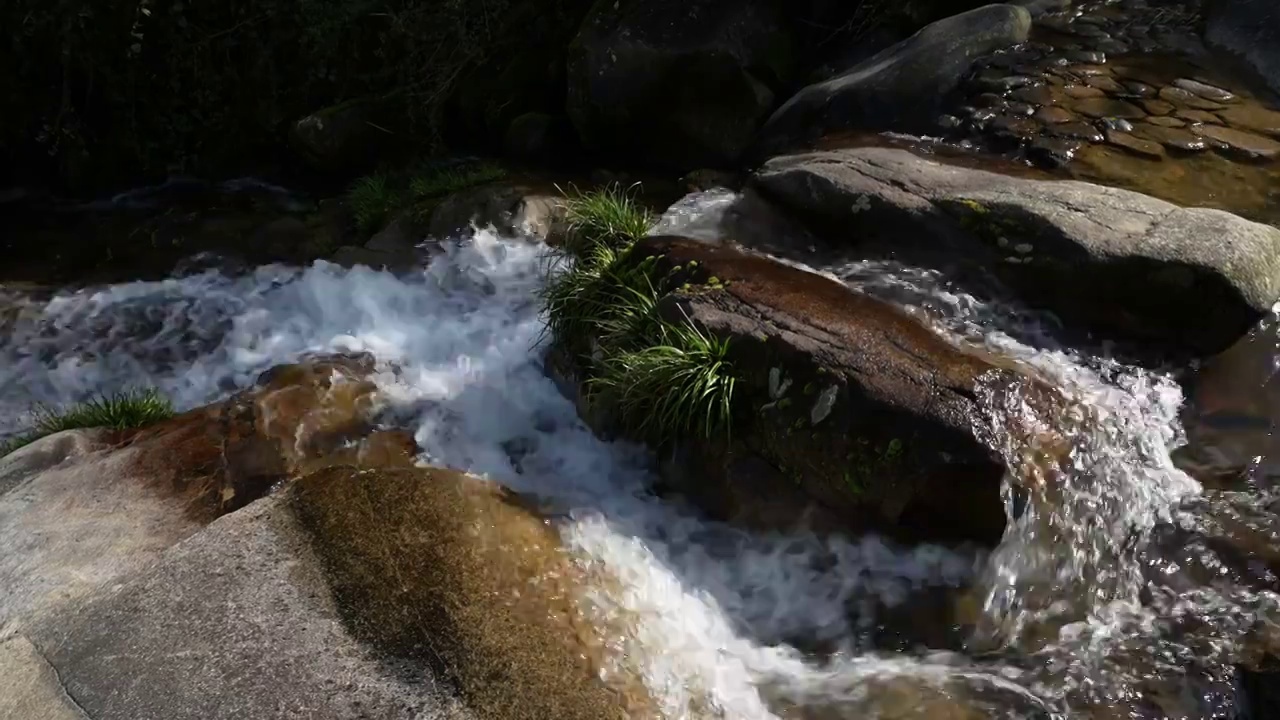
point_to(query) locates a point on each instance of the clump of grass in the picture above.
(446, 182)
(680, 386)
(664, 380)
(372, 199)
(610, 216)
(603, 300)
(120, 411)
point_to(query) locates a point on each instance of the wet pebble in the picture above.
(1176, 138)
(1082, 92)
(1005, 84)
(1112, 46)
(1253, 118)
(1038, 95)
(1053, 115)
(1107, 107)
(989, 100)
(1204, 90)
(1139, 89)
(1075, 131)
(1091, 57)
(1105, 84)
(1020, 108)
(1089, 31)
(1052, 152)
(1157, 107)
(1165, 121)
(1120, 124)
(1183, 98)
(1136, 145)
(1244, 143)
(1199, 116)
(1090, 70)
(1019, 128)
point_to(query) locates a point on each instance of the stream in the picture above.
(1111, 595)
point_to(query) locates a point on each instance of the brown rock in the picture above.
(1245, 143)
(1166, 121)
(1139, 89)
(1104, 83)
(1136, 145)
(1157, 107)
(1081, 92)
(1019, 127)
(1053, 152)
(1176, 138)
(465, 575)
(1182, 98)
(1053, 115)
(1204, 90)
(1085, 71)
(1199, 116)
(865, 430)
(1077, 130)
(1106, 107)
(1253, 118)
(1038, 95)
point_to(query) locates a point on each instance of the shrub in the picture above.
(120, 411)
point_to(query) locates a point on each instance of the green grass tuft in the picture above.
(372, 199)
(601, 301)
(446, 182)
(682, 385)
(120, 411)
(611, 216)
(664, 380)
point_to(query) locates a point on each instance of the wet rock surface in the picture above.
(310, 602)
(868, 411)
(1145, 103)
(898, 88)
(1124, 264)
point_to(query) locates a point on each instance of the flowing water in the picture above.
(1081, 610)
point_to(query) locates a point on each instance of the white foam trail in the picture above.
(712, 609)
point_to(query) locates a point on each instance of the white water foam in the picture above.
(1075, 582)
(711, 609)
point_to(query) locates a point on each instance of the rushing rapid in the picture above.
(720, 622)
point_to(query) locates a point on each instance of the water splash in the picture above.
(714, 614)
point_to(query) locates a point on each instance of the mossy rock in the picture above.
(462, 574)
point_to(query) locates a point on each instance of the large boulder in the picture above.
(185, 571)
(1249, 29)
(1128, 266)
(236, 621)
(678, 84)
(902, 87)
(464, 575)
(82, 508)
(875, 417)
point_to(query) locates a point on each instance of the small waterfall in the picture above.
(711, 612)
